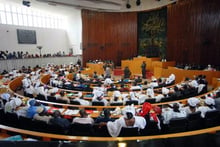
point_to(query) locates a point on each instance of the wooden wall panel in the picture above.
(109, 36)
(193, 28)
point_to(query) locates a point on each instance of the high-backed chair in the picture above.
(212, 118)
(126, 132)
(116, 104)
(78, 129)
(150, 129)
(131, 102)
(51, 98)
(11, 119)
(74, 102)
(177, 125)
(95, 103)
(151, 100)
(195, 121)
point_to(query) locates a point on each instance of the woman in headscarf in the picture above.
(128, 120)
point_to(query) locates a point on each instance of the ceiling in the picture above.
(108, 5)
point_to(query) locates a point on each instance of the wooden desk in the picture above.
(135, 64)
(182, 73)
(91, 67)
(163, 64)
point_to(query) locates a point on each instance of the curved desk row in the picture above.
(13, 85)
(49, 136)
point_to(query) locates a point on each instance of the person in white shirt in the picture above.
(98, 97)
(174, 112)
(116, 97)
(83, 119)
(192, 105)
(128, 120)
(209, 105)
(81, 100)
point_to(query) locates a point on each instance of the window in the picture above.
(23, 16)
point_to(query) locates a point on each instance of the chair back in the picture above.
(177, 125)
(127, 132)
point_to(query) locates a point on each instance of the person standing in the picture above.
(143, 69)
(127, 73)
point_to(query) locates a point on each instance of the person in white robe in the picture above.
(98, 97)
(114, 128)
(174, 112)
(192, 105)
(209, 105)
(81, 100)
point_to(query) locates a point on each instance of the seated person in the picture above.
(83, 119)
(191, 106)
(42, 115)
(98, 97)
(58, 120)
(80, 99)
(173, 112)
(62, 96)
(123, 88)
(209, 105)
(32, 109)
(128, 120)
(104, 118)
(112, 87)
(11, 105)
(116, 97)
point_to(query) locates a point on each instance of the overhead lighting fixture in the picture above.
(26, 3)
(128, 5)
(138, 2)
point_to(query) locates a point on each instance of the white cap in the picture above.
(80, 94)
(209, 101)
(165, 90)
(18, 101)
(193, 101)
(98, 93)
(5, 96)
(130, 109)
(117, 94)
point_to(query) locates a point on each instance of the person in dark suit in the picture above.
(143, 69)
(58, 120)
(127, 73)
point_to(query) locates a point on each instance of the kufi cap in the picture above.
(108, 81)
(80, 94)
(5, 96)
(209, 101)
(117, 94)
(193, 101)
(18, 101)
(130, 109)
(98, 93)
(165, 90)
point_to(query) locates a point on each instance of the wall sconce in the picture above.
(138, 2)
(128, 6)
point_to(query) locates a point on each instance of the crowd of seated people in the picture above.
(4, 55)
(35, 110)
(197, 67)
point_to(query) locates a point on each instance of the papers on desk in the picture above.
(52, 109)
(71, 112)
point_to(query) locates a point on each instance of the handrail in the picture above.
(49, 136)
